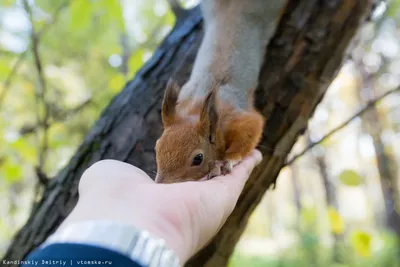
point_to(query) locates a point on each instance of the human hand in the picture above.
(186, 215)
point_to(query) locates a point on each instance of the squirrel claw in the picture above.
(226, 167)
(221, 167)
(216, 170)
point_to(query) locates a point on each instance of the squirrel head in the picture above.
(186, 151)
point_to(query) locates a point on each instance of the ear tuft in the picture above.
(169, 103)
(209, 116)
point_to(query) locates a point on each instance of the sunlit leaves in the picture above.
(75, 51)
(11, 171)
(7, 3)
(81, 13)
(111, 12)
(361, 243)
(25, 150)
(393, 8)
(117, 82)
(136, 61)
(4, 69)
(350, 178)
(336, 221)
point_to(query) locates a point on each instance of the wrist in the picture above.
(136, 244)
(172, 235)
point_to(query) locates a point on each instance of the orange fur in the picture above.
(242, 134)
(237, 133)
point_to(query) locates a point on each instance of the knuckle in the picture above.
(93, 174)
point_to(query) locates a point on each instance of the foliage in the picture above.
(336, 221)
(361, 242)
(89, 50)
(299, 255)
(350, 178)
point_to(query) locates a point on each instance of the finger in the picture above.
(107, 172)
(236, 180)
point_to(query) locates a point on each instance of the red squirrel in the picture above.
(210, 123)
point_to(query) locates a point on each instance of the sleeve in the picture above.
(71, 254)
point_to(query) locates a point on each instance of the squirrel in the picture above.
(210, 124)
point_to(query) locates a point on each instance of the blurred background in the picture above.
(336, 205)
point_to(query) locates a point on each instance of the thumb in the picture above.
(229, 187)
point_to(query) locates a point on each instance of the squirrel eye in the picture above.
(197, 160)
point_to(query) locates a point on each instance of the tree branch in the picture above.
(41, 95)
(369, 105)
(42, 177)
(57, 116)
(7, 83)
(177, 9)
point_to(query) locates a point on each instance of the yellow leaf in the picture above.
(117, 82)
(4, 69)
(136, 61)
(361, 242)
(350, 178)
(336, 221)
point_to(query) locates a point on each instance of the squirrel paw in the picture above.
(222, 167)
(226, 167)
(216, 170)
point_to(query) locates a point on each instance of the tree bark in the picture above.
(302, 59)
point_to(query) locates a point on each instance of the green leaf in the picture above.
(4, 69)
(114, 9)
(393, 8)
(350, 178)
(12, 171)
(136, 62)
(25, 150)
(81, 13)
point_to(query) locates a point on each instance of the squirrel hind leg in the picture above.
(243, 134)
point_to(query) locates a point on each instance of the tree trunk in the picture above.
(301, 61)
(296, 188)
(330, 190)
(330, 198)
(371, 123)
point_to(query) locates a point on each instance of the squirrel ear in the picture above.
(209, 117)
(169, 103)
